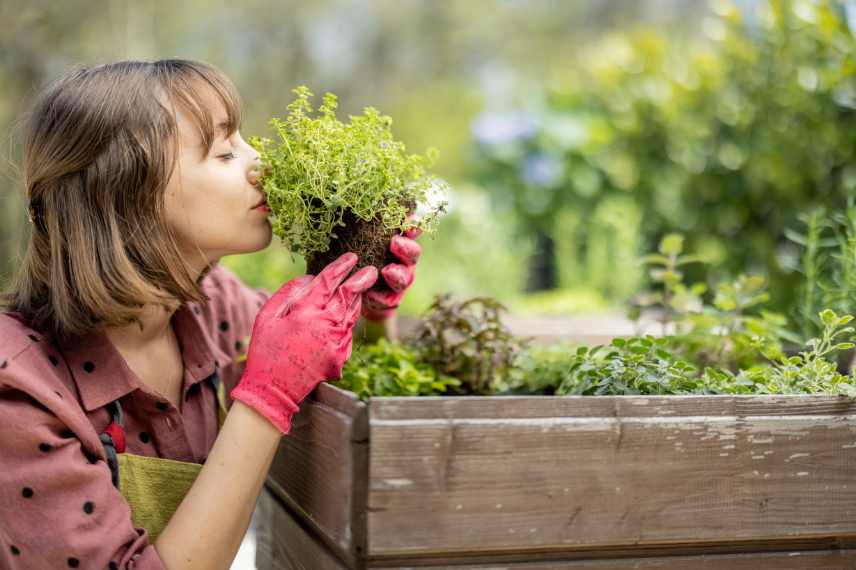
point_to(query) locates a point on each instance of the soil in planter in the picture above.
(369, 240)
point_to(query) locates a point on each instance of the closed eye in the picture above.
(229, 156)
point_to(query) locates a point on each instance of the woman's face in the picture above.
(211, 198)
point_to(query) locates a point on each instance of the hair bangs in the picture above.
(193, 89)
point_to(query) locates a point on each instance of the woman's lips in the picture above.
(263, 205)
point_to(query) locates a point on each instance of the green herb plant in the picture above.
(732, 331)
(320, 168)
(469, 341)
(827, 264)
(392, 369)
(645, 365)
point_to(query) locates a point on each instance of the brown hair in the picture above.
(100, 146)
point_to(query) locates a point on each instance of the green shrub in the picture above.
(726, 141)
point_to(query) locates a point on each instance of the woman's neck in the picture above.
(155, 322)
(154, 328)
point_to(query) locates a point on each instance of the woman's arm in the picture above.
(207, 529)
(301, 336)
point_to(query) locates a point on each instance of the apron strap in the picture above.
(113, 437)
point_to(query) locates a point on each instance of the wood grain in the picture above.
(491, 475)
(321, 468)
(824, 560)
(478, 482)
(285, 543)
(282, 543)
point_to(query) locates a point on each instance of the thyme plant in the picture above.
(319, 170)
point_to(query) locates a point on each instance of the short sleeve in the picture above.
(230, 314)
(58, 504)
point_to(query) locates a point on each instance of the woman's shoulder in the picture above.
(222, 284)
(231, 302)
(35, 386)
(30, 360)
(16, 337)
(228, 317)
(27, 356)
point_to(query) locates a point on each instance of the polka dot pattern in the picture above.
(60, 445)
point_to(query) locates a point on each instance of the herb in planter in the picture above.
(334, 187)
(468, 340)
(732, 332)
(392, 369)
(645, 365)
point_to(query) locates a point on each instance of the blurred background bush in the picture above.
(574, 134)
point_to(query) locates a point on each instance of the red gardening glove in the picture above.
(301, 337)
(380, 305)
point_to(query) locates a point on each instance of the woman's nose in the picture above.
(255, 170)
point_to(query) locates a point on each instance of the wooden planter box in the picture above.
(675, 482)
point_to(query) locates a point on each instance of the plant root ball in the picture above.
(369, 240)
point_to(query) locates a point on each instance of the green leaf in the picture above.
(828, 317)
(655, 259)
(672, 244)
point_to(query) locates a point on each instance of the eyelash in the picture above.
(229, 156)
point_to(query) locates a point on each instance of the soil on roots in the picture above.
(369, 240)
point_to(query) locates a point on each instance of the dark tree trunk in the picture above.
(542, 264)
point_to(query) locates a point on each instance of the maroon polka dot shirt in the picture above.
(58, 506)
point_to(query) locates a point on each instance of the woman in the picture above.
(120, 327)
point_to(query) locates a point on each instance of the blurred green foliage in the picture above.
(727, 141)
(430, 65)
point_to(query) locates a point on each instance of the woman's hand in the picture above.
(301, 337)
(381, 305)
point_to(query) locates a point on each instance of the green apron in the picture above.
(153, 487)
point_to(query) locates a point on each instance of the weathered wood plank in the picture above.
(502, 407)
(823, 560)
(283, 544)
(321, 469)
(482, 476)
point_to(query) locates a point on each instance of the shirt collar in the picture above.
(102, 375)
